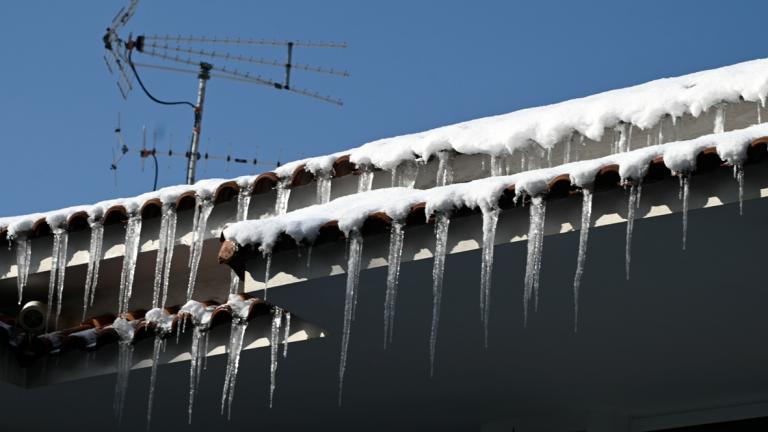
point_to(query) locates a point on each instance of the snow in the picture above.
(199, 312)
(351, 211)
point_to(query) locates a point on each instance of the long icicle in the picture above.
(55, 255)
(632, 204)
(162, 239)
(586, 219)
(274, 340)
(125, 330)
(198, 235)
(240, 310)
(396, 236)
(442, 223)
(132, 236)
(537, 213)
(354, 256)
(62, 268)
(156, 349)
(23, 257)
(444, 168)
(738, 174)
(94, 259)
(323, 187)
(287, 333)
(685, 183)
(244, 202)
(490, 220)
(267, 269)
(170, 244)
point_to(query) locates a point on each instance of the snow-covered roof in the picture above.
(350, 212)
(642, 105)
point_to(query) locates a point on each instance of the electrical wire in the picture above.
(154, 99)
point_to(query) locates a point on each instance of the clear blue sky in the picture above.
(414, 65)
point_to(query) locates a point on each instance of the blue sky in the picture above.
(414, 66)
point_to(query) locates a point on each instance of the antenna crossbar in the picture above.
(241, 41)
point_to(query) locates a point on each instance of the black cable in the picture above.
(138, 79)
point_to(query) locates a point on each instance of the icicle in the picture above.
(157, 348)
(244, 202)
(94, 259)
(567, 150)
(240, 311)
(405, 174)
(309, 256)
(198, 235)
(442, 223)
(586, 216)
(323, 187)
(23, 257)
(125, 331)
(632, 203)
(444, 168)
(274, 339)
(498, 165)
(355, 251)
(198, 353)
(62, 267)
(537, 213)
(59, 243)
(490, 220)
(685, 182)
(628, 145)
(283, 195)
(738, 174)
(759, 113)
(719, 118)
(395, 255)
(170, 243)
(287, 333)
(132, 236)
(365, 179)
(162, 239)
(267, 266)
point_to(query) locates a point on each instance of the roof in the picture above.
(642, 106)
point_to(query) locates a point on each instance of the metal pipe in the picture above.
(193, 156)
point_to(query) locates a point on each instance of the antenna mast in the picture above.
(169, 49)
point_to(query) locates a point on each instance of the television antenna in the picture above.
(189, 55)
(122, 149)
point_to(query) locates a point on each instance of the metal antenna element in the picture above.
(168, 48)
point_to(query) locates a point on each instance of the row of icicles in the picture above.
(403, 176)
(200, 317)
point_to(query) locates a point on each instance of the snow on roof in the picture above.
(351, 211)
(641, 105)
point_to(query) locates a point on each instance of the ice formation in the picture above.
(490, 220)
(396, 237)
(442, 222)
(199, 226)
(200, 315)
(125, 330)
(94, 259)
(632, 204)
(274, 339)
(323, 180)
(132, 236)
(444, 169)
(685, 185)
(58, 266)
(537, 210)
(586, 217)
(282, 196)
(166, 243)
(365, 179)
(267, 268)
(23, 258)
(163, 326)
(240, 309)
(244, 201)
(287, 333)
(405, 174)
(738, 174)
(353, 277)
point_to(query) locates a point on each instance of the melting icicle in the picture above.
(323, 187)
(408, 172)
(442, 222)
(287, 333)
(498, 165)
(274, 339)
(490, 220)
(198, 235)
(719, 126)
(759, 113)
(240, 311)
(537, 213)
(23, 257)
(283, 195)
(132, 236)
(685, 182)
(738, 174)
(586, 217)
(57, 273)
(629, 138)
(632, 204)
(94, 259)
(62, 267)
(157, 348)
(444, 168)
(365, 179)
(125, 331)
(244, 202)
(567, 150)
(355, 242)
(162, 248)
(267, 268)
(194, 367)
(170, 243)
(395, 255)
(660, 137)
